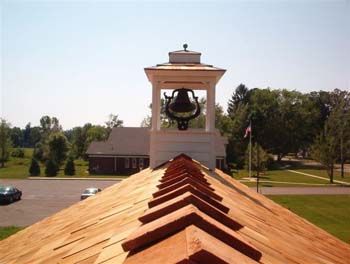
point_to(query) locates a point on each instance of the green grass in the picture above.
(323, 173)
(8, 231)
(308, 166)
(329, 212)
(17, 168)
(275, 177)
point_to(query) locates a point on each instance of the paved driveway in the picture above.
(42, 198)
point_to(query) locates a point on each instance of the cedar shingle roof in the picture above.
(179, 213)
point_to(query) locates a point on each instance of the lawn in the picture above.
(329, 212)
(280, 178)
(323, 173)
(8, 231)
(309, 166)
(17, 168)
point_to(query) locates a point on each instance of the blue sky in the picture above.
(82, 60)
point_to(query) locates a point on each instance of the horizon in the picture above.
(83, 60)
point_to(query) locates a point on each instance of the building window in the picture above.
(141, 163)
(218, 164)
(134, 163)
(126, 163)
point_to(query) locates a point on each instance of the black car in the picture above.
(9, 194)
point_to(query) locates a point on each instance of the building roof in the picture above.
(185, 52)
(184, 67)
(123, 141)
(134, 141)
(179, 212)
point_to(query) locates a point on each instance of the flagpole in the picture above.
(250, 150)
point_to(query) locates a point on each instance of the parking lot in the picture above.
(42, 198)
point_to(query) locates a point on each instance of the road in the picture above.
(42, 198)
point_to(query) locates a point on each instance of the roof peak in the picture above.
(185, 56)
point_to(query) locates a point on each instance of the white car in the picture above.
(89, 192)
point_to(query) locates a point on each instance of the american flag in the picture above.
(247, 131)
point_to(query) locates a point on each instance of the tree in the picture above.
(240, 95)
(236, 144)
(324, 151)
(96, 133)
(222, 122)
(165, 122)
(326, 146)
(34, 136)
(51, 168)
(34, 169)
(69, 168)
(5, 142)
(38, 152)
(26, 136)
(18, 153)
(50, 124)
(16, 137)
(114, 121)
(341, 109)
(263, 156)
(57, 148)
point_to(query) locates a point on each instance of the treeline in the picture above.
(52, 145)
(315, 124)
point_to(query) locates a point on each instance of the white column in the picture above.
(155, 106)
(210, 117)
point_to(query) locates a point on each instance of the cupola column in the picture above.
(210, 108)
(155, 106)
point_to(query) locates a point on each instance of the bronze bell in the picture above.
(182, 103)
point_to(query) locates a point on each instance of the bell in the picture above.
(182, 103)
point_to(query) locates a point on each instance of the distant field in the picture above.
(329, 212)
(17, 168)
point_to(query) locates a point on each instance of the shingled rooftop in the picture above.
(179, 212)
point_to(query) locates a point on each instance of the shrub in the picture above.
(264, 159)
(38, 152)
(34, 169)
(70, 168)
(51, 168)
(18, 153)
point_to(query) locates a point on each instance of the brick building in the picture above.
(127, 151)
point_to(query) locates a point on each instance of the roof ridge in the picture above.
(187, 201)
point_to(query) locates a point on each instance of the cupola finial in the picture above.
(185, 46)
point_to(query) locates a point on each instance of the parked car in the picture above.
(9, 194)
(89, 192)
